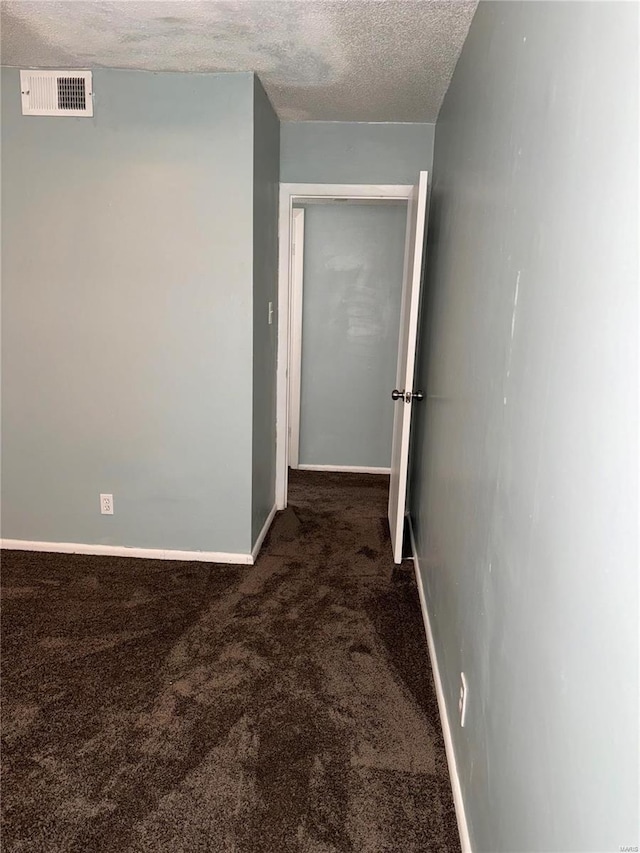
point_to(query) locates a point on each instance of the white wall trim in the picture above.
(458, 801)
(261, 536)
(353, 469)
(125, 551)
(288, 194)
(309, 192)
(295, 331)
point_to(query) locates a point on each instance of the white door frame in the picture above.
(295, 335)
(289, 194)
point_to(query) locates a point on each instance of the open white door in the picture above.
(403, 392)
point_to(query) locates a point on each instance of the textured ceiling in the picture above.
(344, 60)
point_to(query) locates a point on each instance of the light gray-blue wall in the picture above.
(525, 495)
(354, 152)
(266, 165)
(353, 261)
(127, 314)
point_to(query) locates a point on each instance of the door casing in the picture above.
(291, 193)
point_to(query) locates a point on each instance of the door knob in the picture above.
(407, 396)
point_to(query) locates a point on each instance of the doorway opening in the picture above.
(346, 286)
(409, 202)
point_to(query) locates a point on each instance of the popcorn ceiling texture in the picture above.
(343, 60)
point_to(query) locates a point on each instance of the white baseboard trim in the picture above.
(124, 551)
(352, 469)
(458, 802)
(258, 544)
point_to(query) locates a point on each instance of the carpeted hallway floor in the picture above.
(186, 707)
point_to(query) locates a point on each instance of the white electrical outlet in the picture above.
(462, 701)
(106, 504)
(270, 313)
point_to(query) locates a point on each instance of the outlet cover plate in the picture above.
(106, 504)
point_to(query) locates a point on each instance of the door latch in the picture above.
(407, 396)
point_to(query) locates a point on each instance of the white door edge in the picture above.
(407, 342)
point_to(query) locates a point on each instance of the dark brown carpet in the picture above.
(185, 707)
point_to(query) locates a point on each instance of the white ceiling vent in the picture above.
(56, 93)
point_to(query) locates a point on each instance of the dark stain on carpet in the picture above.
(184, 707)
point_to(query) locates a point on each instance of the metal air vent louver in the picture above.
(56, 93)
